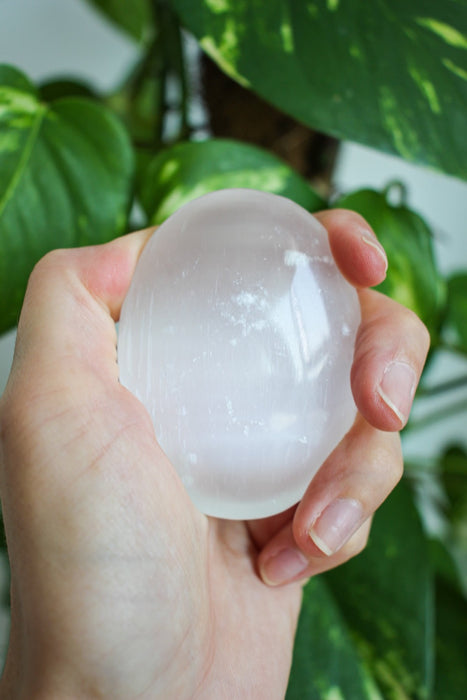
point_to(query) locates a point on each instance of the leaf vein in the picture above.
(25, 156)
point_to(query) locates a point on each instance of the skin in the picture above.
(120, 587)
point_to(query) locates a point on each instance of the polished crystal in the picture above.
(238, 334)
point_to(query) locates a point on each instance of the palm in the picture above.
(254, 624)
(218, 615)
(120, 587)
(162, 600)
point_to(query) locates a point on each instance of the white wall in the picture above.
(47, 38)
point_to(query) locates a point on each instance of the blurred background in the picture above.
(53, 38)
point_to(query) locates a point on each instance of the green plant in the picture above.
(389, 74)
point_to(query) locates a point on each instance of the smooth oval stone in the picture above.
(238, 334)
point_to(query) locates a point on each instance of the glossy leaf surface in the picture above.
(189, 170)
(65, 180)
(326, 663)
(390, 74)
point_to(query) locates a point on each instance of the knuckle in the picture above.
(416, 328)
(387, 467)
(425, 336)
(53, 261)
(49, 261)
(388, 459)
(357, 542)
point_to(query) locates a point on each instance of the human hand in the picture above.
(120, 587)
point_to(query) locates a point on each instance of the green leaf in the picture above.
(390, 74)
(455, 322)
(189, 170)
(451, 643)
(413, 278)
(366, 629)
(134, 19)
(444, 564)
(326, 665)
(386, 597)
(65, 180)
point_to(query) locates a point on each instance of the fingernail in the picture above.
(369, 240)
(397, 388)
(284, 566)
(336, 524)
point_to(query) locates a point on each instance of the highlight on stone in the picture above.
(238, 334)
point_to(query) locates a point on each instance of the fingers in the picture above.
(332, 522)
(288, 564)
(263, 529)
(391, 348)
(355, 248)
(392, 342)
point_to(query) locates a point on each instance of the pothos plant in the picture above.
(77, 167)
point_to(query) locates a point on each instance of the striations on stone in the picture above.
(238, 334)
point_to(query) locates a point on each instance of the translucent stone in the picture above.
(238, 334)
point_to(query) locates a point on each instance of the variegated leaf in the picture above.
(65, 180)
(390, 74)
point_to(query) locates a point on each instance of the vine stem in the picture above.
(171, 39)
(161, 68)
(434, 417)
(443, 387)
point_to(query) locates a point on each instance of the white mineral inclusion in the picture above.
(237, 334)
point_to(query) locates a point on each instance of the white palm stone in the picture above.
(238, 334)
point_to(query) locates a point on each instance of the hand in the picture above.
(120, 587)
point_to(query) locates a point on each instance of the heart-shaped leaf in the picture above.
(413, 278)
(189, 170)
(65, 180)
(390, 74)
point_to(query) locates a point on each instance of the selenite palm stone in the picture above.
(238, 334)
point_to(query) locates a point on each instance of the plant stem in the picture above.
(182, 76)
(449, 385)
(161, 68)
(435, 416)
(455, 349)
(172, 49)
